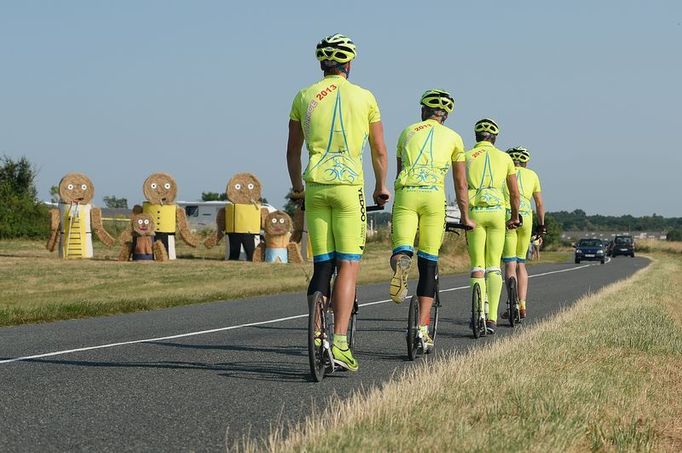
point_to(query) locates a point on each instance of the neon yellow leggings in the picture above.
(423, 209)
(516, 241)
(336, 220)
(486, 242)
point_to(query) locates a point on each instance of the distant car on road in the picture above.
(590, 250)
(622, 245)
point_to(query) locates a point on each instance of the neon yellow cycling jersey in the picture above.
(335, 116)
(529, 184)
(487, 171)
(426, 150)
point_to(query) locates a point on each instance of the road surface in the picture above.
(197, 377)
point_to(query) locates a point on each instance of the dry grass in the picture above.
(36, 286)
(655, 245)
(604, 375)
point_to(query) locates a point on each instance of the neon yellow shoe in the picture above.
(399, 280)
(318, 338)
(344, 358)
(426, 338)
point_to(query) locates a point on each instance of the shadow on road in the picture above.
(272, 371)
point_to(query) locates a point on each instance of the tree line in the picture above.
(580, 221)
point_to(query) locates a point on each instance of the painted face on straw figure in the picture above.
(242, 218)
(160, 191)
(244, 188)
(72, 223)
(277, 224)
(143, 225)
(160, 188)
(76, 188)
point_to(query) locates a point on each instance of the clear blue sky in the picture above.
(202, 89)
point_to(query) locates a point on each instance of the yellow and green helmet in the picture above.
(487, 125)
(337, 48)
(438, 99)
(519, 153)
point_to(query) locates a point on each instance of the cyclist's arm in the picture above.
(540, 207)
(379, 160)
(294, 146)
(514, 196)
(461, 190)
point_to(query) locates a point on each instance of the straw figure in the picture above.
(71, 224)
(277, 247)
(142, 245)
(160, 191)
(242, 218)
(299, 233)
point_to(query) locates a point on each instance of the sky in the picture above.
(202, 89)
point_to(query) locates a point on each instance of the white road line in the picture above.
(239, 326)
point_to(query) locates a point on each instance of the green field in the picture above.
(36, 286)
(604, 375)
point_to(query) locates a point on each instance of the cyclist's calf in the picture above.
(428, 274)
(322, 275)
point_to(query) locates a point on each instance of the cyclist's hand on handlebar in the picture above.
(513, 223)
(468, 224)
(297, 196)
(381, 196)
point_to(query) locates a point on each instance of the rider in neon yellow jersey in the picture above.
(517, 241)
(489, 170)
(335, 119)
(425, 152)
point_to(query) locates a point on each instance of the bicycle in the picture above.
(321, 328)
(479, 312)
(513, 312)
(414, 339)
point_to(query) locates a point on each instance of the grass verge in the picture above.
(36, 286)
(604, 375)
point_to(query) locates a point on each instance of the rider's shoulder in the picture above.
(450, 132)
(358, 89)
(529, 171)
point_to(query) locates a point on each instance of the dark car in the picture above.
(622, 245)
(590, 250)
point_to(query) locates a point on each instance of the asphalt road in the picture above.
(195, 378)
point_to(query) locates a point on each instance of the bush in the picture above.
(21, 214)
(674, 235)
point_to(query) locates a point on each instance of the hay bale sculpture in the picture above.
(141, 244)
(242, 218)
(71, 224)
(299, 235)
(278, 247)
(160, 191)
